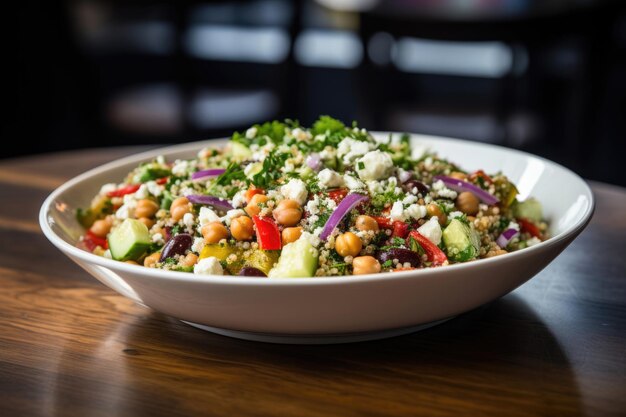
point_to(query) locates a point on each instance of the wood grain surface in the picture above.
(71, 347)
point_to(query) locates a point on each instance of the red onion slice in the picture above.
(314, 162)
(461, 186)
(210, 200)
(348, 203)
(506, 237)
(208, 173)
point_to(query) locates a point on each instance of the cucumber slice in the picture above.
(129, 241)
(529, 209)
(462, 242)
(252, 169)
(239, 151)
(297, 260)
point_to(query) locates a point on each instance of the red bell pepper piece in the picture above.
(92, 241)
(162, 181)
(433, 253)
(120, 192)
(383, 222)
(338, 194)
(400, 229)
(529, 227)
(267, 233)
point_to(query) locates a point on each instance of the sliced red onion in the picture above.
(461, 186)
(506, 237)
(348, 203)
(210, 200)
(208, 173)
(314, 162)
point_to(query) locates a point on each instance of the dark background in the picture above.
(544, 76)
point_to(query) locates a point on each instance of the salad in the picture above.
(283, 200)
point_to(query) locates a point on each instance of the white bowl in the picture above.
(337, 309)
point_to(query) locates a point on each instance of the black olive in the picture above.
(249, 271)
(177, 245)
(410, 184)
(402, 255)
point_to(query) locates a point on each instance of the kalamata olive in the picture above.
(410, 184)
(250, 271)
(177, 245)
(402, 255)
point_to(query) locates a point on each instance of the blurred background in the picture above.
(546, 76)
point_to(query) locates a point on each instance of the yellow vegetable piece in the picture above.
(260, 259)
(218, 251)
(508, 191)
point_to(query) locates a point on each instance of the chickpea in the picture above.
(458, 175)
(348, 244)
(151, 260)
(146, 208)
(253, 208)
(288, 213)
(251, 193)
(291, 234)
(241, 228)
(179, 208)
(131, 262)
(148, 222)
(365, 265)
(179, 212)
(364, 223)
(101, 228)
(180, 201)
(433, 210)
(467, 203)
(190, 260)
(214, 232)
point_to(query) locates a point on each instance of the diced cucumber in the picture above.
(297, 260)
(252, 169)
(307, 173)
(239, 151)
(529, 209)
(129, 241)
(462, 242)
(166, 200)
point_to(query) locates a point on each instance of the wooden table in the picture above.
(71, 347)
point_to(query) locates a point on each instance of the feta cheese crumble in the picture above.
(208, 266)
(207, 215)
(431, 230)
(327, 178)
(442, 191)
(350, 149)
(295, 189)
(374, 165)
